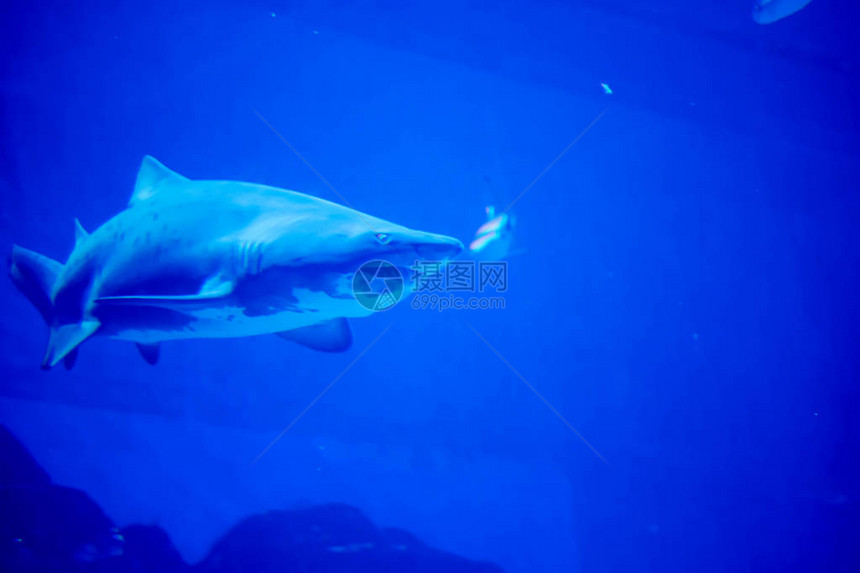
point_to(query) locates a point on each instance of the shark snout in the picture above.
(431, 247)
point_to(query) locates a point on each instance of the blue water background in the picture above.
(686, 298)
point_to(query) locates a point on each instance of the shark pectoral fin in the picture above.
(214, 289)
(149, 352)
(329, 336)
(65, 339)
(34, 275)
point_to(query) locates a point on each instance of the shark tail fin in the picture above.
(65, 340)
(35, 275)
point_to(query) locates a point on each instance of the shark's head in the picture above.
(309, 255)
(345, 238)
(402, 246)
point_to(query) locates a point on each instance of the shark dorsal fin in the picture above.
(152, 178)
(80, 232)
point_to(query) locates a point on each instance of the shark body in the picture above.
(214, 259)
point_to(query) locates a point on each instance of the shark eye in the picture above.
(382, 238)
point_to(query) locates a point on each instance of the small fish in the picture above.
(493, 239)
(769, 11)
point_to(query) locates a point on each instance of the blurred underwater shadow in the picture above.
(46, 527)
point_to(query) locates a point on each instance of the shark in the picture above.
(214, 259)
